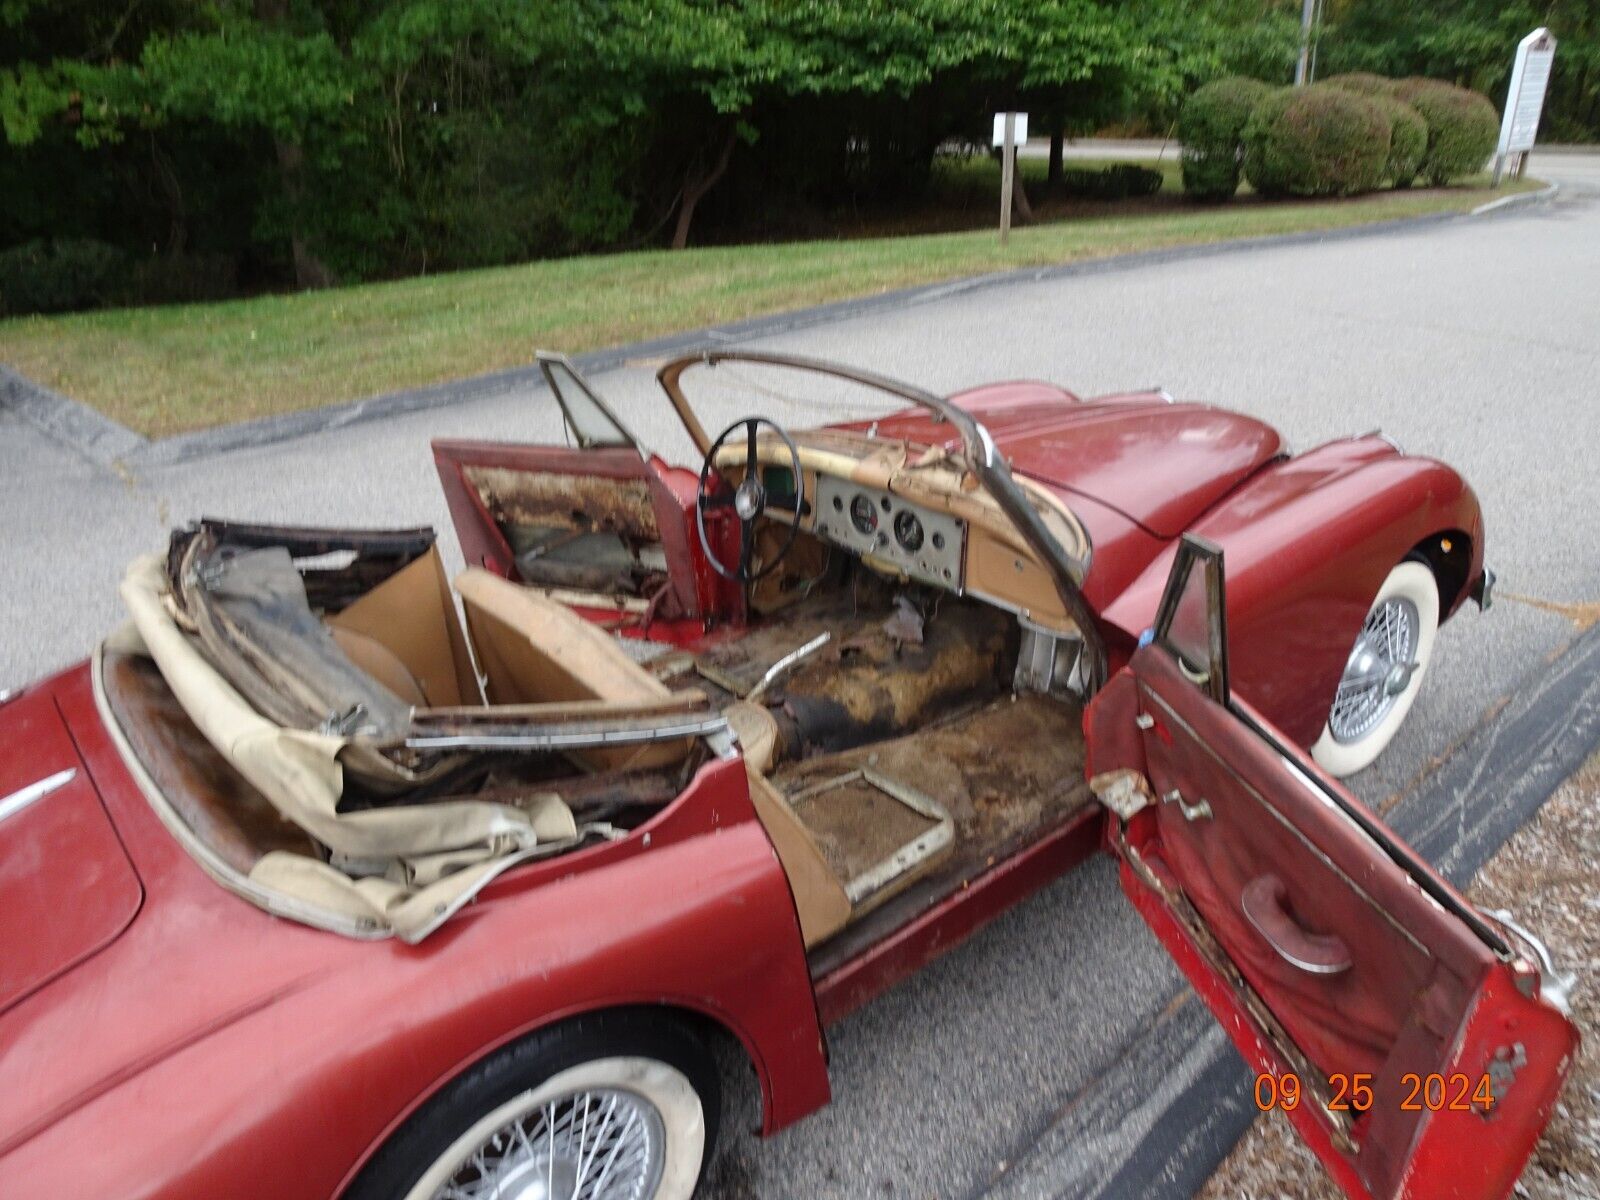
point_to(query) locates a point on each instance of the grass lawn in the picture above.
(165, 370)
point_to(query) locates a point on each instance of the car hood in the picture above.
(1158, 463)
(67, 887)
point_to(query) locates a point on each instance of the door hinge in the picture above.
(1124, 792)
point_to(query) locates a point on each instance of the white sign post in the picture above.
(1010, 130)
(1530, 76)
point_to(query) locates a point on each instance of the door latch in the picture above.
(1198, 811)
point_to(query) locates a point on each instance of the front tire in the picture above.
(1383, 672)
(610, 1107)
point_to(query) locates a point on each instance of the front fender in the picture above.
(1307, 545)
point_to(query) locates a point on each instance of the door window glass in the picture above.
(1192, 621)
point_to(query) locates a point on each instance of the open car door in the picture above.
(601, 524)
(1426, 1062)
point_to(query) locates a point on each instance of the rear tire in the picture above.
(545, 1116)
(1383, 673)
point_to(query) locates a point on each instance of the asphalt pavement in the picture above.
(1473, 341)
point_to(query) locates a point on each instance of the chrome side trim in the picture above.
(20, 799)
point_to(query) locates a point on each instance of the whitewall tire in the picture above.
(607, 1107)
(1383, 673)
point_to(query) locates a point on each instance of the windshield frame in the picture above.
(979, 454)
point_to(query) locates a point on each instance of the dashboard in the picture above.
(926, 545)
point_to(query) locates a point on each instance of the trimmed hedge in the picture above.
(1211, 128)
(1408, 141)
(1364, 82)
(1463, 130)
(1407, 88)
(1315, 141)
(1116, 182)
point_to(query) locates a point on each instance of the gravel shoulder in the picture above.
(1549, 875)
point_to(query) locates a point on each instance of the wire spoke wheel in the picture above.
(1382, 672)
(613, 1127)
(588, 1145)
(1378, 671)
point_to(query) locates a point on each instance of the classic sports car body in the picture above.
(310, 888)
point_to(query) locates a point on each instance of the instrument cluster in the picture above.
(925, 545)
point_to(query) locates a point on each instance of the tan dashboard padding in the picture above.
(533, 650)
(819, 897)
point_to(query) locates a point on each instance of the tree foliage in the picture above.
(1472, 43)
(317, 139)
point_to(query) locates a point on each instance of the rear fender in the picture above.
(291, 1097)
(1308, 543)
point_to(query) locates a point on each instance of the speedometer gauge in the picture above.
(864, 514)
(908, 531)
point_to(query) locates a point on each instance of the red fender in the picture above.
(242, 1055)
(1308, 542)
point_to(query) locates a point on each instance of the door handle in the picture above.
(1198, 811)
(1264, 903)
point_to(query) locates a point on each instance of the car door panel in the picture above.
(1324, 946)
(491, 485)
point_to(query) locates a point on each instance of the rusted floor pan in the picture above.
(1006, 773)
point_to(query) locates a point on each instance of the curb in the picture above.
(104, 441)
(1160, 1119)
(89, 433)
(1520, 200)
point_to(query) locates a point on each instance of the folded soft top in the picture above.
(358, 766)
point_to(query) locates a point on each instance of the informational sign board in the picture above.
(1021, 134)
(1530, 77)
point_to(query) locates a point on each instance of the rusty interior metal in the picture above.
(1006, 771)
(587, 532)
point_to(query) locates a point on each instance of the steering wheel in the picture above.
(748, 500)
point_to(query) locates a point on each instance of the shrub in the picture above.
(61, 274)
(1463, 129)
(1408, 141)
(182, 279)
(1407, 88)
(1210, 127)
(1316, 141)
(1363, 82)
(1116, 182)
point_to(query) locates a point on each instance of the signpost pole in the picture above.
(1008, 165)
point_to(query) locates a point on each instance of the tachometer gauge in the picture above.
(908, 531)
(864, 514)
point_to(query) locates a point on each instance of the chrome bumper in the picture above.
(1555, 986)
(1483, 590)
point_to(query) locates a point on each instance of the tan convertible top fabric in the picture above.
(420, 862)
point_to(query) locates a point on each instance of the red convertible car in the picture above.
(324, 878)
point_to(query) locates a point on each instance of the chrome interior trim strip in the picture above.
(20, 799)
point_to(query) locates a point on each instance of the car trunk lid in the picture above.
(67, 887)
